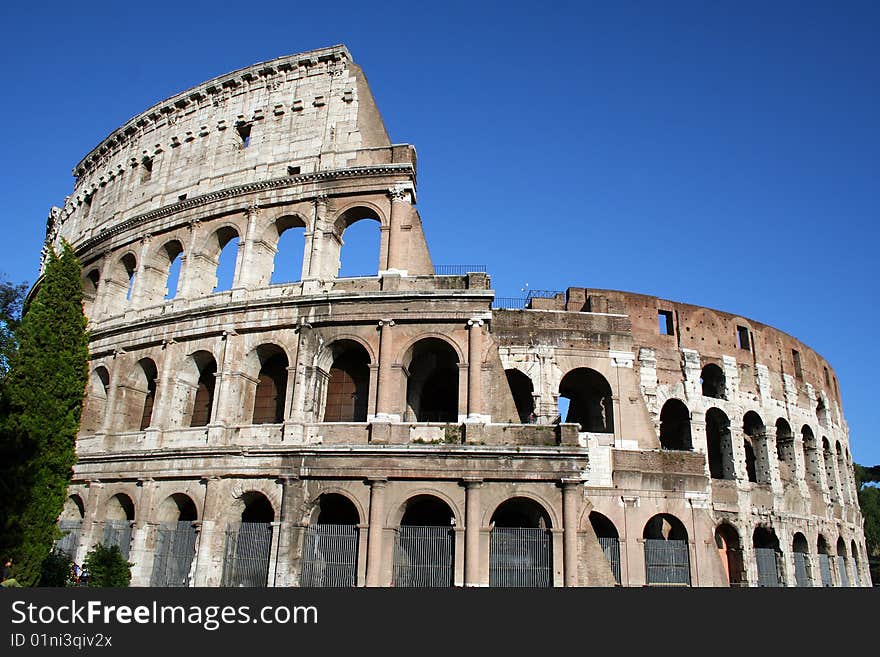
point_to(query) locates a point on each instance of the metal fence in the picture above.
(512, 303)
(611, 548)
(841, 568)
(424, 556)
(69, 542)
(801, 570)
(458, 270)
(175, 549)
(246, 560)
(768, 567)
(118, 532)
(329, 557)
(825, 569)
(521, 556)
(667, 562)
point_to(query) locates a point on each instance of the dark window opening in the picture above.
(293, 171)
(719, 445)
(87, 204)
(432, 383)
(146, 169)
(182, 197)
(742, 338)
(271, 388)
(712, 381)
(521, 388)
(798, 369)
(257, 508)
(665, 323)
(728, 544)
(675, 426)
(590, 400)
(827, 378)
(349, 386)
(204, 399)
(751, 470)
(336, 509)
(244, 133)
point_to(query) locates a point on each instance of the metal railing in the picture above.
(667, 562)
(768, 567)
(329, 556)
(458, 270)
(825, 569)
(424, 556)
(246, 560)
(521, 557)
(841, 568)
(69, 542)
(543, 294)
(510, 303)
(175, 549)
(611, 548)
(802, 570)
(118, 532)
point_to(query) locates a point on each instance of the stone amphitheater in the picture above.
(408, 428)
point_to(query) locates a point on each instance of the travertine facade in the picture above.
(230, 437)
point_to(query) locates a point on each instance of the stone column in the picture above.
(472, 532)
(287, 571)
(90, 523)
(112, 388)
(377, 522)
(187, 276)
(400, 207)
(222, 383)
(314, 253)
(570, 503)
(209, 555)
(142, 553)
(385, 393)
(243, 276)
(164, 388)
(475, 371)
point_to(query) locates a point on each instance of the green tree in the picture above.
(11, 299)
(56, 570)
(39, 415)
(869, 501)
(107, 566)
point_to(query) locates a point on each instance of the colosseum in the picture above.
(409, 428)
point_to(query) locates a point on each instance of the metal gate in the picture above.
(175, 549)
(667, 562)
(69, 542)
(521, 556)
(118, 532)
(768, 568)
(825, 569)
(246, 561)
(801, 571)
(424, 556)
(841, 567)
(329, 557)
(611, 548)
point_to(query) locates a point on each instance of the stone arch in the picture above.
(675, 426)
(800, 550)
(269, 365)
(177, 507)
(811, 457)
(842, 474)
(424, 549)
(768, 556)
(119, 283)
(609, 540)
(667, 553)
(203, 270)
(828, 459)
(590, 400)
(336, 507)
(96, 400)
(249, 540)
(159, 273)
(719, 444)
(348, 384)
(284, 238)
(729, 546)
(137, 396)
(70, 523)
(119, 516)
(842, 562)
(823, 551)
(854, 551)
(364, 249)
(254, 506)
(785, 450)
(755, 446)
(193, 401)
(521, 511)
(74, 508)
(522, 388)
(395, 517)
(91, 280)
(712, 381)
(431, 367)
(521, 545)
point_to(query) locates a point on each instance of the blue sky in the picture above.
(719, 153)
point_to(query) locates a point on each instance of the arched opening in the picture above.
(522, 389)
(424, 549)
(822, 413)
(768, 557)
(755, 445)
(138, 397)
(432, 382)
(289, 236)
(842, 478)
(227, 245)
(168, 264)
(675, 426)
(203, 400)
(842, 568)
(811, 457)
(719, 445)
(801, 553)
(359, 242)
(70, 523)
(712, 381)
(824, 561)
(830, 478)
(118, 286)
(129, 268)
(119, 518)
(90, 290)
(854, 551)
(330, 547)
(249, 543)
(175, 541)
(520, 545)
(271, 391)
(609, 539)
(96, 402)
(590, 400)
(667, 560)
(348, 387)
(785, 450)
(730, 550)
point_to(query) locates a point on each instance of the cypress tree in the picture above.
(43, 395)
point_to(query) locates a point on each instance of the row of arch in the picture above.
(280, 253)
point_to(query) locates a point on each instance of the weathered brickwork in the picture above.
(593, 437)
